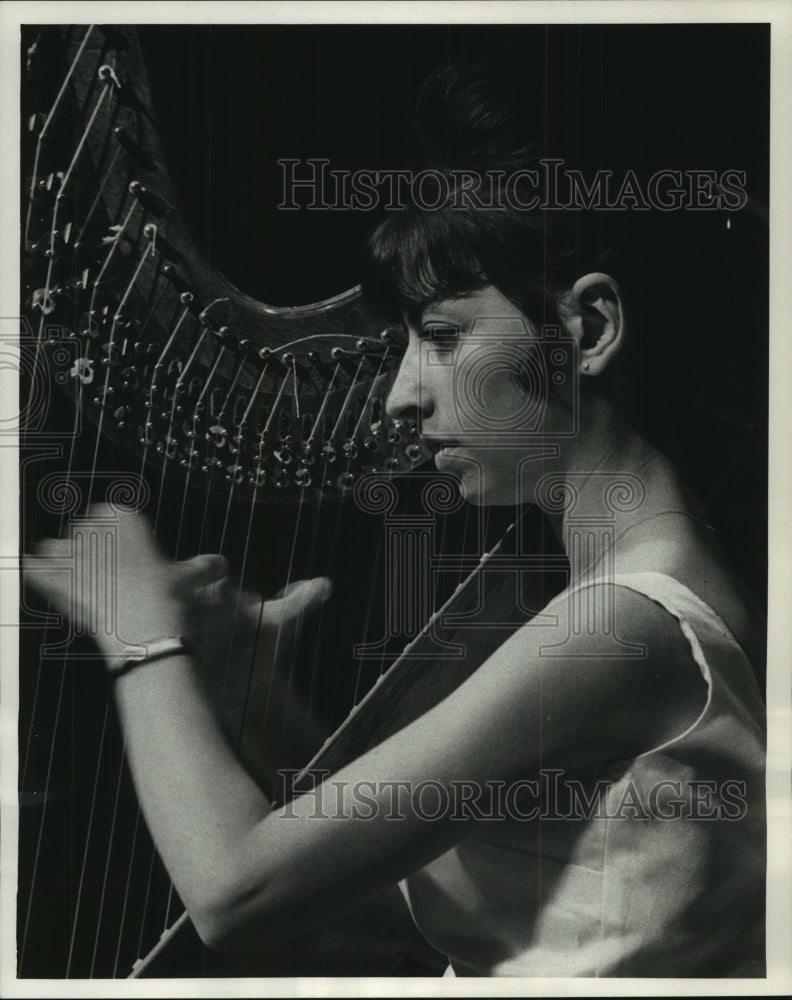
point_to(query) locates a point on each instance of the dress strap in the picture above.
(711, 643)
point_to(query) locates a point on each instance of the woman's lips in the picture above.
(438, 445)
(447, 450)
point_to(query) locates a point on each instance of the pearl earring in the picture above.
(586, 367)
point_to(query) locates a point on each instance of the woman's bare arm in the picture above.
(247, 873)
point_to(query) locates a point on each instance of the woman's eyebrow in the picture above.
(441, 312)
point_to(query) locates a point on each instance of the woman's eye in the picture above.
(442, 336)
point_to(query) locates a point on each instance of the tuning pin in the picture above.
(83, 370)
(271, 362)
(217, 435)
(43, 300)
(190, 460)
(133, 147)
(34, 62)
(146, 198)
(296, 369)
(309, 451)
(280, 478)
(413, 452)
(235, 473)
(111, 353)
(236, 442)
(284, 455)
(394, 433)
(257, 478)
(146, 434)
(350, 449)
(302, 477)
(346, 480)
(350, 363)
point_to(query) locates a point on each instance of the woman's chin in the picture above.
(478, 492)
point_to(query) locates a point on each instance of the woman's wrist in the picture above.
(161, 648)
(118, 649)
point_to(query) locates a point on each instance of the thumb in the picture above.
(200, 571)
(296, 599)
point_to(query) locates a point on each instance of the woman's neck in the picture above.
(613, 476)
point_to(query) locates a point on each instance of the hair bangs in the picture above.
(417, 257)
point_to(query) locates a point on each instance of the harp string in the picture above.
(189, 468)
(47, 291)
(347, 399)
(264, 433)
(176, 392)
(113, 244)
(213, 460)
(125, 904)
(99, 192)
(317, 422)
(100, 912)
(48, 121)
(78, 902)
(45, 627)
(44, 311)
(40, 835)
(149, 251)
(99, 104)
(119, 231)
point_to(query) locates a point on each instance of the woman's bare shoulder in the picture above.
(621, 663)
(691, 553)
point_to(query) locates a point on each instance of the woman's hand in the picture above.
(245, 650)
(110, 580)
(225, 621)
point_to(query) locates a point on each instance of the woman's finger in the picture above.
(296, 599)
(204, 571)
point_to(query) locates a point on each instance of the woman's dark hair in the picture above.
(475, 120)
(694, 377)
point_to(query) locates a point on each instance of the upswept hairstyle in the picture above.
(472, 116)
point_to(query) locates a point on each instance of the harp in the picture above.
(149, 380)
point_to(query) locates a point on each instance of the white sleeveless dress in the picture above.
(663, 879)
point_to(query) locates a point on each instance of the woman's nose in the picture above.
(408, 396)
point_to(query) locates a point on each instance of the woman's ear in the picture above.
(593, 313)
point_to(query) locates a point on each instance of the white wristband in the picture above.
(156, 649)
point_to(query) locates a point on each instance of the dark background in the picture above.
(233, 100)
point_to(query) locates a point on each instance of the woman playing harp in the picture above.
(589, 801)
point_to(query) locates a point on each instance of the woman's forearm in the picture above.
(199, 802)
